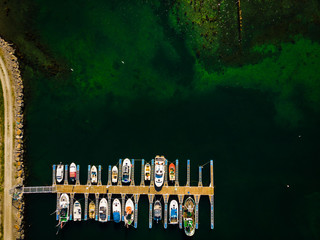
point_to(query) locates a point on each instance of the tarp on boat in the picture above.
(116, 217)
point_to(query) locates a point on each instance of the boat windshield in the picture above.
(158, 175)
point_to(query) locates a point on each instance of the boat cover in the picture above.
(116, 217)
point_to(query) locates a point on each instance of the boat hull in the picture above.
(59, 173)
(92, 209)
(157, 211)
(94, 175)
(116, 209)
(76, 211)
(114, 174)
(189, 217)
(129, 212)
(64, 208)
(103, 210)
(126, 171)
(173, 212)
(73, 172)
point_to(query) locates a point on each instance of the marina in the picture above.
(126, 208)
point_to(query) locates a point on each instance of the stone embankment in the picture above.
(12, 66)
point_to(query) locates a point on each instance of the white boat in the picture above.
(159, 172)
(126, 171)
(173, 212)
(147, 170)
(114, 174)
(94, 175)
(63, 209)
(76, 211)
(128, 213)
(73, 172)
(103, 210)
(157, 211)
(59, 173)
(116, 209)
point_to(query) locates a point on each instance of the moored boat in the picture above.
(128, 214)
(114, 174)
(189, 217)
(116, 209)
(92, 210)
(126, 171)
(73, 172)
(159, 172)
(173, 212)
(59, 173)
(172, 171)
(103, 210)
(157, 211)
(63, 209)
(76, 211)
(94, 175)
(147, 170)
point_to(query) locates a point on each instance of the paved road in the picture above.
(8, 150)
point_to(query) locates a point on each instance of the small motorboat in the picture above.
(116, 209)
(126, 171)
(94, 175)
(159, 172)
(147, 170)
(173, 212)
(129, 214)
(73, 172)
(92, 210)
(103, 210)
(172, 172)
(59, 173)
(157, 210)
(76, 211)
(63, 209)
(114, 174)
(189, 217)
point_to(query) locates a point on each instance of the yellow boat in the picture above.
(92, 209)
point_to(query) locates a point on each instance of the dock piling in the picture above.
(120, 173)
(109, 205)
(200, 177)
(180, 196)
(53, 174)
(99, 176)
(97, 205)
(197, 200)
(165, 199)
(212, 211)
(132, 172)
(86, 195)
(136, 200)
(78, 175)
(142, 173)
(89, 177)
(57, 208)
(66, 174)
(211, 174)
(150, 197)
(152, 174)
(71, 204)
(109, 176)
(188, 173)
(123, 198)
(176, 183)
(165, 173)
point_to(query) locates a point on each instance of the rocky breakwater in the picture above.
(12, 66)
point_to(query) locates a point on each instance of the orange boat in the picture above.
(172, 171)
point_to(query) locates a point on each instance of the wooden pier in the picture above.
(132, 190)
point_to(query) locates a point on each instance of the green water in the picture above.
(169, 77)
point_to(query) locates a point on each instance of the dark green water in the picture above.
(170, 78)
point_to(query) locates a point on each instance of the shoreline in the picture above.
(12, 86)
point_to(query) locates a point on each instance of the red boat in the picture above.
(172, 172)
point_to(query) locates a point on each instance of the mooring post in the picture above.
(78, 175)
(71, 204)
(97, 205)
(53, 174)
(99, 176)
(136, 200)
(200, 177)
(152, 174)
(197, 198)
(188, 173)
(211, 174)
(109, 205)
(166, 173)
(212, 210)
(150, 197)
(123, 198)
(58, 208)
(120, 173)
(66, 174)
(109, 176)
(165, 198)
(142, 173)
(86, 195)
(89, 177)
(132, 172)
(180, 196)
(176, 183)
